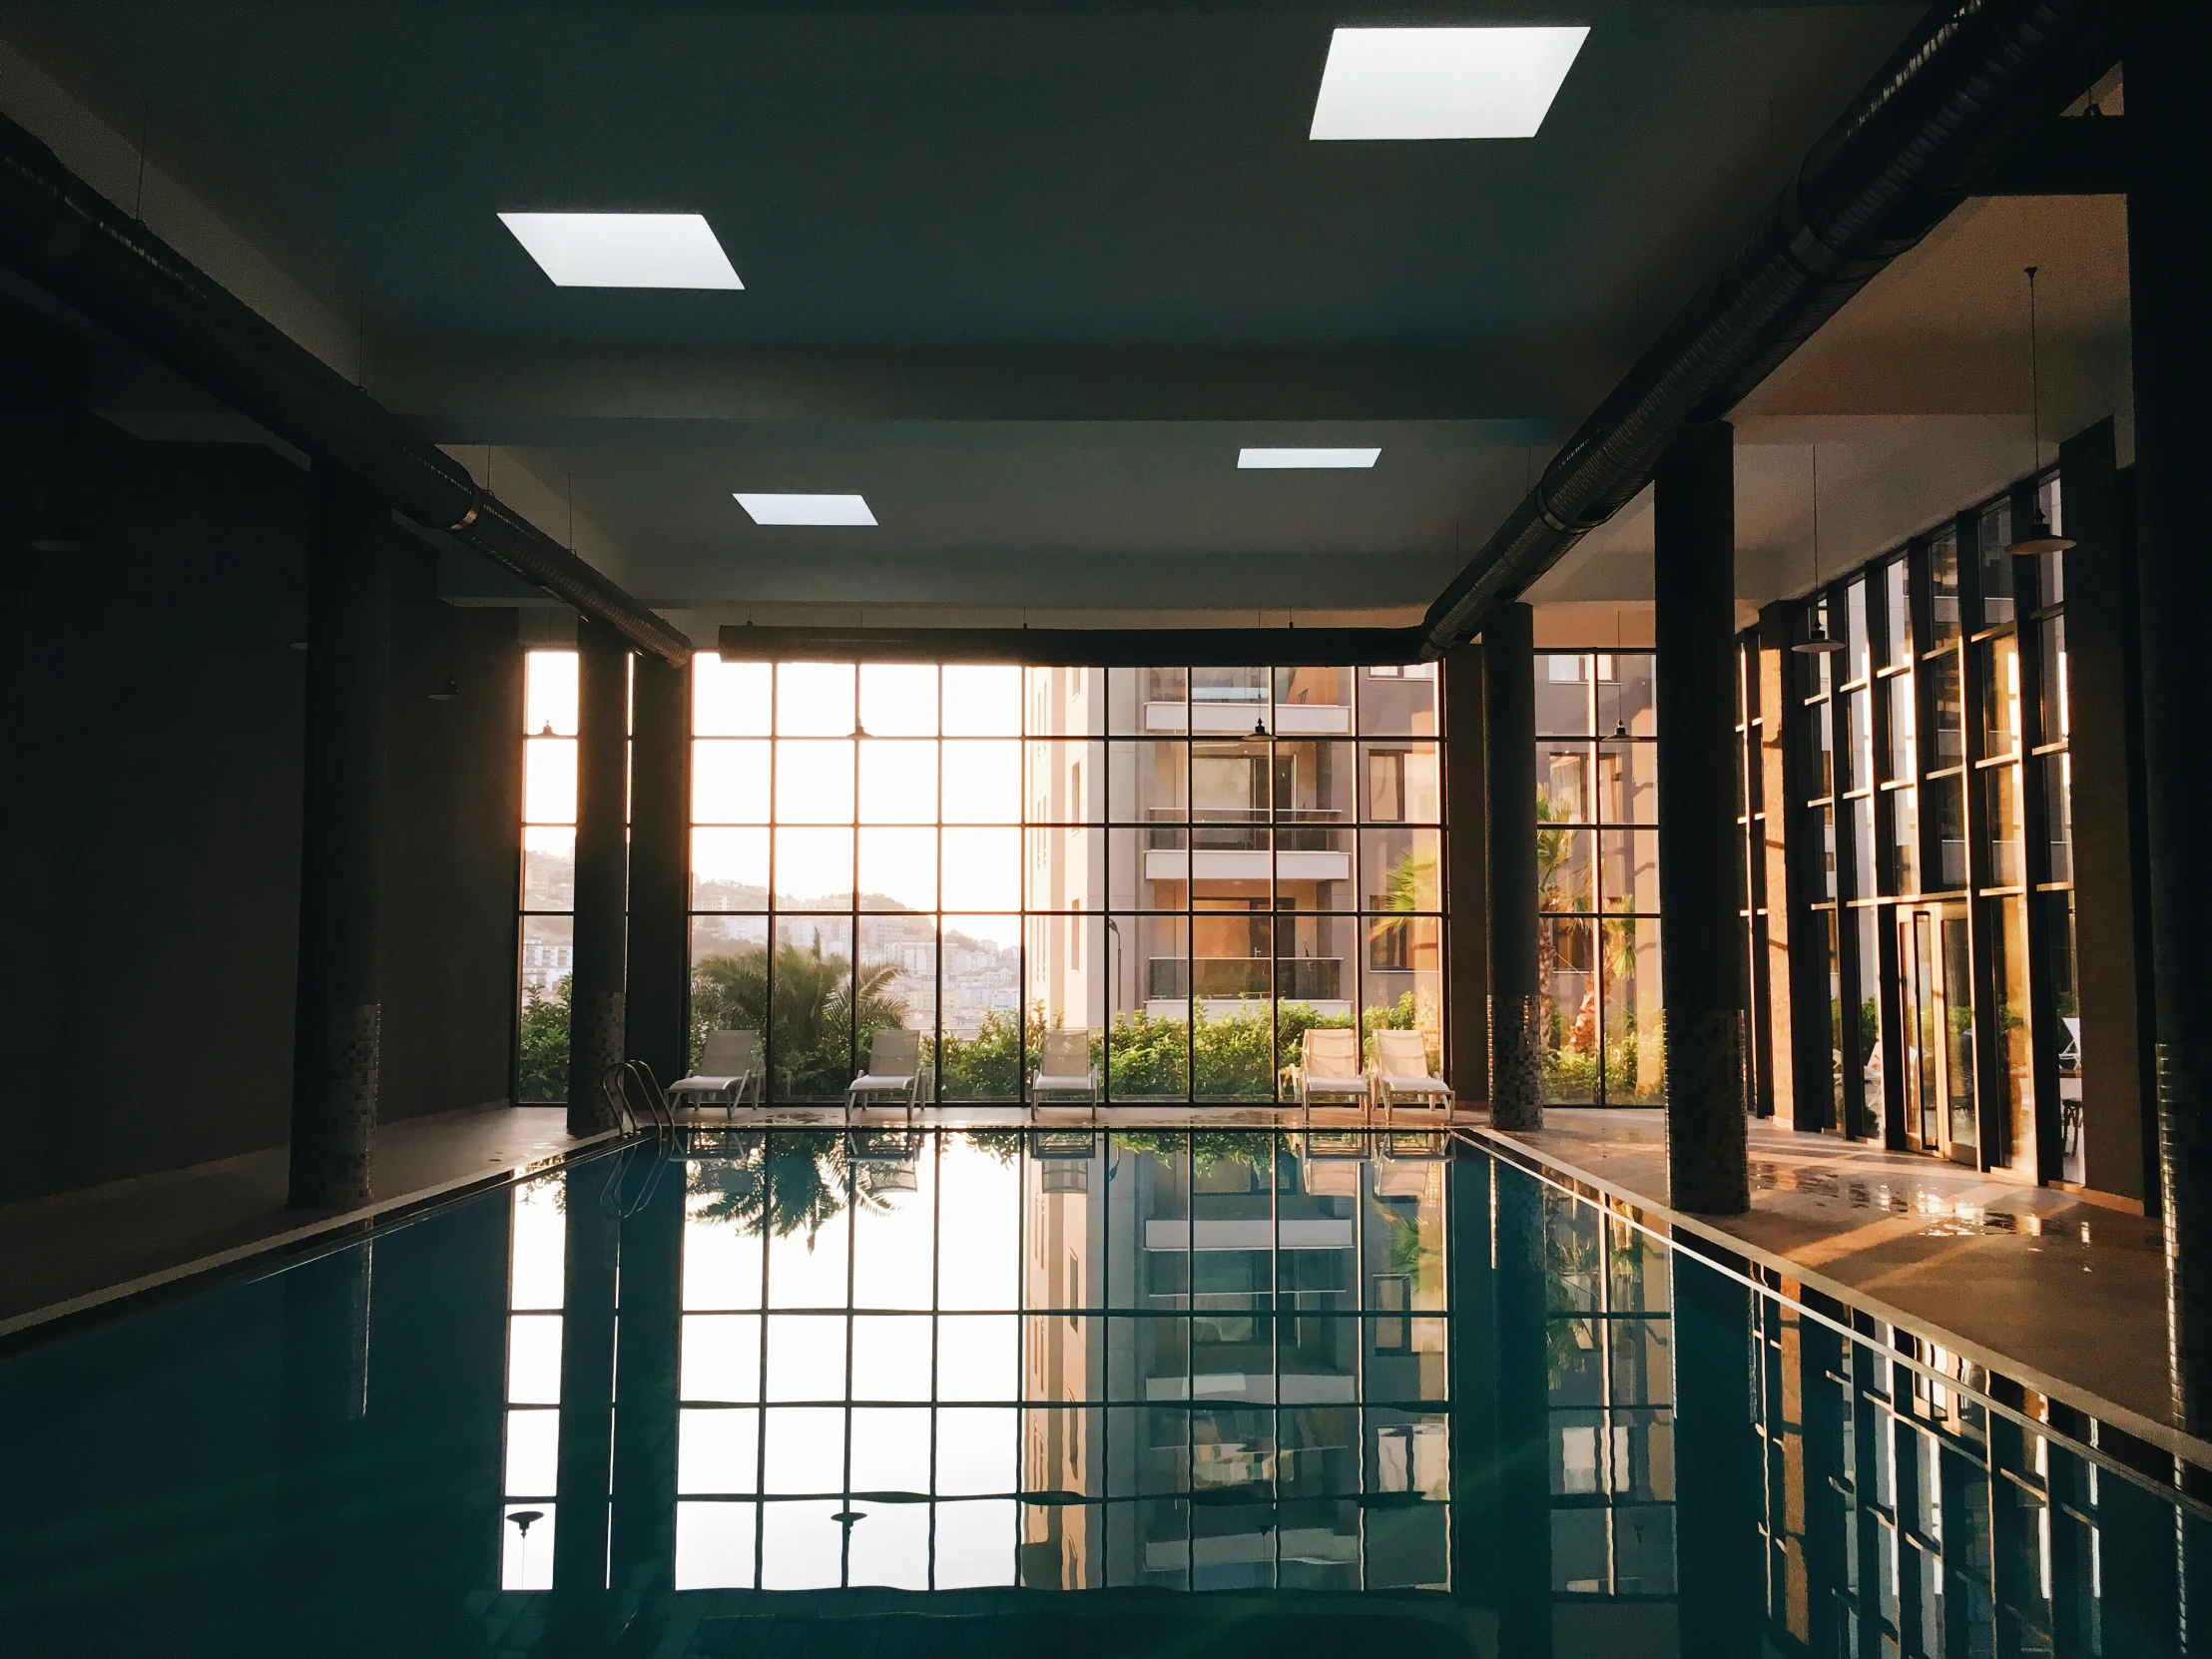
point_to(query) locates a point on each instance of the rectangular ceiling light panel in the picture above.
(1442, 83)
(625, 250)
(1262, 459)
(805, 509)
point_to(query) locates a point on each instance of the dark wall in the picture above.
(150, 800)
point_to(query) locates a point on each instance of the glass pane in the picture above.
(1147, 699)
(813, 870)
(2002, 807)
(1866, 924)
(1565, 870)
(714, 1546)
(1625, 695)
(2057, 775)
(2052, 567)
(1403, 784)
(1948, 710)
(1635, 1030)
(1858, 652)
(1147, 782)
(979, 1266)
(1628, 783)
(1314, 783)
(899, 978)
(2065, 987)
(1861, 810)
(548, 870)
(723, 1255)
(1401, 982)
(1313, 869)
(718, 1451)
(1824, 831)
(1065, 958)
(1148, 869)
(1905, 834)
(1231, 951)
(982, 781)
(1898, 691)
(1564, 706)
(720, 1359)
(548, 950)
(1399, 869)
(1858, 713)
(549, 781)
(813, 782)
(811, 1022)
(899, 781)
(2057, 713)
(801, 1544)
(1998, 663)
(1942, 582)
(1066, 868)
(1628, 870)
(1563, 782)
(2009, 938)
(1398, 702)
(730, 780)
(815, 700)
(1229, 782)
(1065, 782)
(1896, 616)
(1148, 1050)
(1313, 702)
(899, 869)
(728, 976)
(1993, 535)
(1817, 731)
(980, 1057)
(1067, 700)
(982, 870)
(1958, 1029)
(892, 1358)
(728, 870)
(1313, 966)
(1946, 807)
(982, 701)
(549, 694)
(1236, 1026)
(1567, 991)
(729, 698)
(898, 699)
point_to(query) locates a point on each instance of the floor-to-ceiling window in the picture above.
(548, 898)
(537, 1235)
(1597, 872)
(1192, 866)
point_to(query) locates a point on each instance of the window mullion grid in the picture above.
(775, 915)
(1973, 718)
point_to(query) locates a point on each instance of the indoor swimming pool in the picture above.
(1134, 1391)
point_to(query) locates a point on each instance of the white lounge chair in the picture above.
(1401, 1074)
(1064, 1067)
(728, 1067)
(1329, 1068)
(893, 1068)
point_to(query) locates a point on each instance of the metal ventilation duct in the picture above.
(1970, 81)
(63, 234)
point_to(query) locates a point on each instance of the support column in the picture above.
(648, 1358)
(2170, 289)
(1509, 791)
(1466, 877)
(1717, 1458)
(595, 1033)
(591, 1257)
(660, 868)
(1701, 964)
(337, 1032)
(1524, 1462)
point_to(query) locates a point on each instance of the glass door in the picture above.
(1936, 1005)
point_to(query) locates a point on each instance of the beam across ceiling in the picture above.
(1078, 646)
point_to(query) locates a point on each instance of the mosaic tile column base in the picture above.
(594, 1042)
(1517, 1069)
(337, 1172)
(2185, 1201)
(1707, 1153)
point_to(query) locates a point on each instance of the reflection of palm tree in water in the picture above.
(801, 1183)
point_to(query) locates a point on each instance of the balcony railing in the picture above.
(1296, 978)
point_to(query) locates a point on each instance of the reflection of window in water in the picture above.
(1063, 1358)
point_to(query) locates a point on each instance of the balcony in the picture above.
(1237, 718)
(1314, 979)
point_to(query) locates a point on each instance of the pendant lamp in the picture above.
(1818, 643)
(2039, 538)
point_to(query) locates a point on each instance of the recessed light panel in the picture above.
(1442, 83)
(1262, 459)
(805, 509)
(625, 250)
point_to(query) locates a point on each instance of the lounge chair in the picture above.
(728, 1067)
(1064, 1067)
(1401, 1074)
(1329, 1068)
(893, 1068)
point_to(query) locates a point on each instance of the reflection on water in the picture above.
(1320, 1377)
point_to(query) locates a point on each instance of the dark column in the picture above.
(1466, 877)
(1510, 792)
(1702, 971)
(660, 868)
(2105, 718)
(644, 1536)
(590, 1260)
(1717, 1459)
(338, 1024)
(1523, 1417)
(2170, 289)
(595, 1033)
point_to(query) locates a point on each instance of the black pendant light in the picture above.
(2039, 538)
(1818, 643)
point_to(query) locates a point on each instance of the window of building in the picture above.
(548, 899)
(1597, 872)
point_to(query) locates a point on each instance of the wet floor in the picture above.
(992, 1390)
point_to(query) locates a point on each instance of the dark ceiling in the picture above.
(1026, 275)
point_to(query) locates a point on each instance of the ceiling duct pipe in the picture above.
(60, 232)
(1969, 82)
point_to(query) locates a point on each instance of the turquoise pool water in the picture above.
(1000, 1391)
